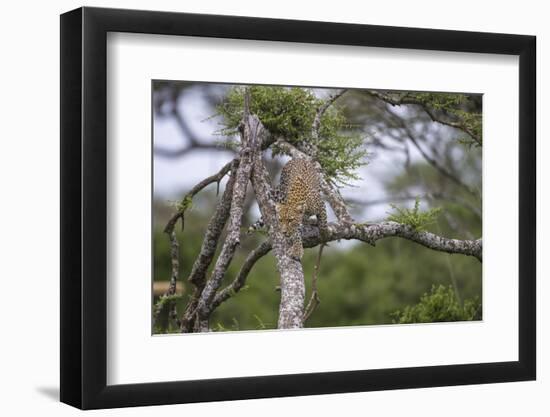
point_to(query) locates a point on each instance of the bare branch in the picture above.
(180, 152)
(371, 233)
(214, 229)
(174, 245)
(184, 127)
(437, 166)
(208, 249)
(241, 277)
(321, 111)
(171, 290)
(193, 142)
(174, 256)
(431, 160)
(232, 239)
(216, 178)
(314, 301)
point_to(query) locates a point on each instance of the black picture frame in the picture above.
(84, 207)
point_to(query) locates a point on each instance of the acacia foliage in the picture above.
(288, 113)
(414, 217)
(439, 305)
(462, 109)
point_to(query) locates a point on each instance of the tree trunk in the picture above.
(291, 308)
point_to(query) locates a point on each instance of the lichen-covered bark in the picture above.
(208, 249)
(373, 232)
(174, 256)
(213, 232)
(370, 233)
(232, 239)
(291, 307)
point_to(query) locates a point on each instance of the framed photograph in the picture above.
(257, 208)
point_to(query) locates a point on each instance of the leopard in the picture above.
(297, 198)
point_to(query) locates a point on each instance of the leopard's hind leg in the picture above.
(322, 222)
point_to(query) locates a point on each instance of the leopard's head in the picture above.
(289, 217)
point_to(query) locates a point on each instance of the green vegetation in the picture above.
(437, 306)
(289, 113)
(415, 218)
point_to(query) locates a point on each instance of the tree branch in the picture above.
(314, 300)
(371, 233)
(171, 291)
(241, 277)
(180, 152)
(208, 249)
(431, 160)
(366, 233)
(409, 100)
(436, 164)
(216, 178)
(232, 239)
(214, 231)
(194, 141)
(321, 111)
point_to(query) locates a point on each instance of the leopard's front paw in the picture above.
(324, 233)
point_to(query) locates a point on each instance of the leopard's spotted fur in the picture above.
(299, 196)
